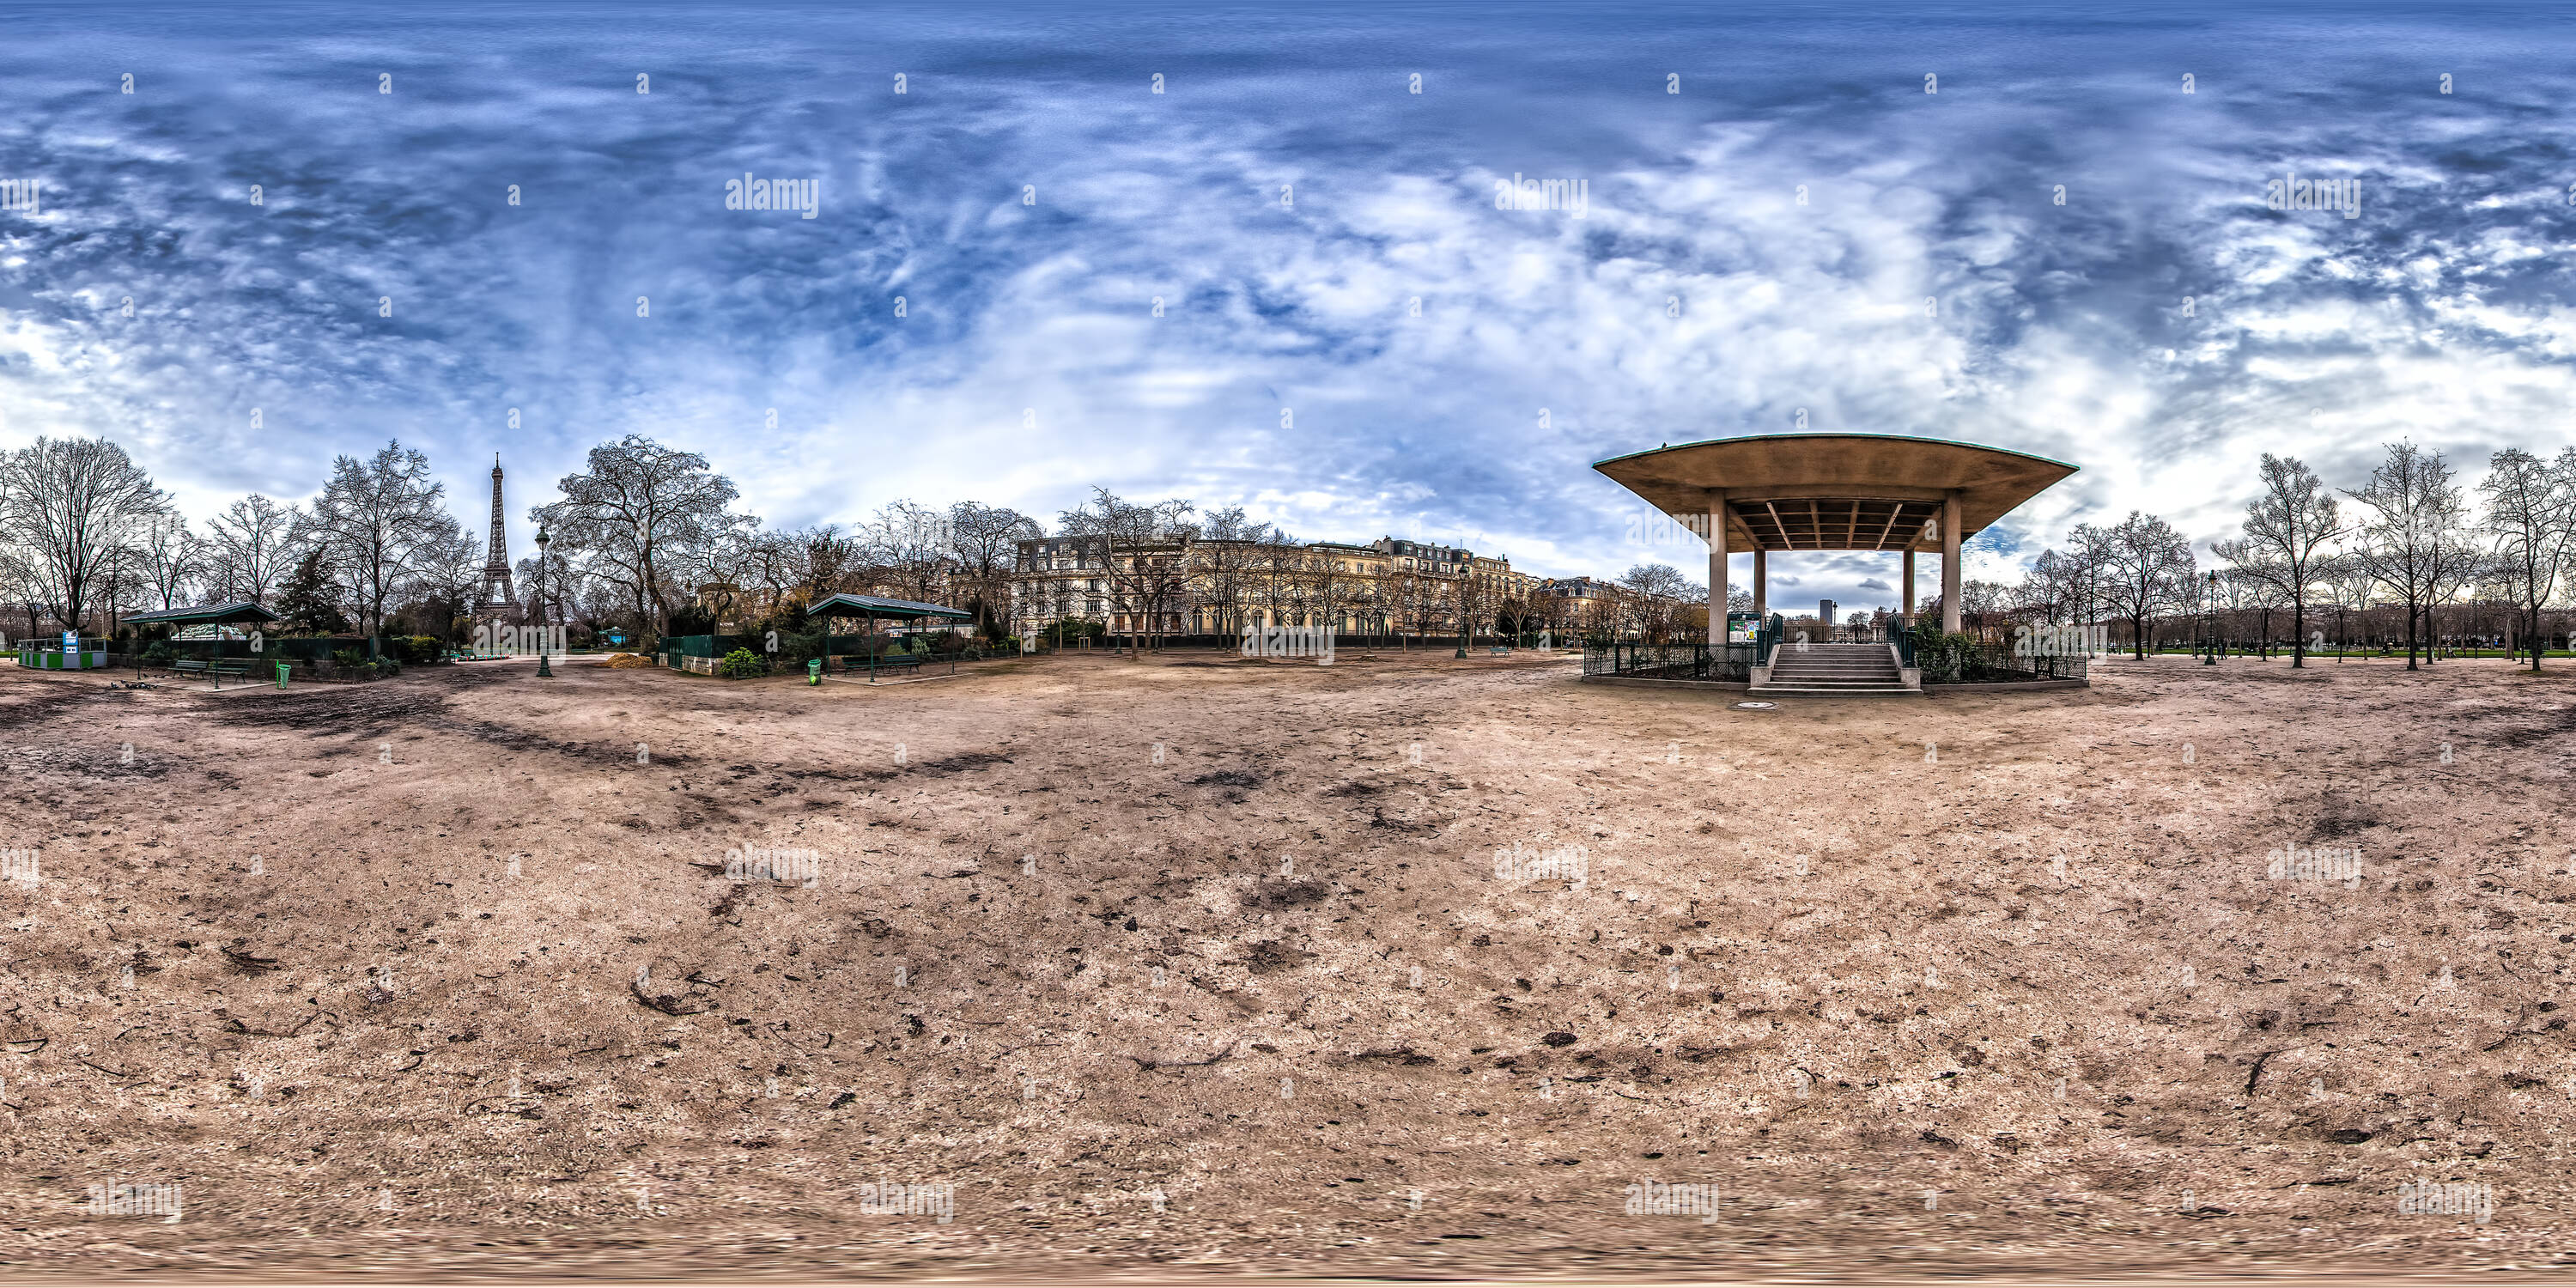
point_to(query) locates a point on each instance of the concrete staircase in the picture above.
(1833, 671)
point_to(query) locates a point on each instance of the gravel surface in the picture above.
(1197, 965)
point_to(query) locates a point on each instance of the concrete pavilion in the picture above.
(1769, 492)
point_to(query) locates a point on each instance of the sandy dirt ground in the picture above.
(1198, 965)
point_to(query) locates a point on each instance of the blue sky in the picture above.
(1029, 197)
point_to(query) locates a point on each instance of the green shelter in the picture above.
(877, 608)
(240, 612)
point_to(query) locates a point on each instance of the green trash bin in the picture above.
(814, 671)
(282, 669)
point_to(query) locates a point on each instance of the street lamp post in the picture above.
(543, 670)
(2209, 619)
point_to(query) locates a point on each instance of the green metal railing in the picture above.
(1696, 661)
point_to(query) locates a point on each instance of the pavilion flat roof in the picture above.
(849, 605)
(237, 613)
(1824, 491)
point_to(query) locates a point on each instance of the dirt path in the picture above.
(449, 967)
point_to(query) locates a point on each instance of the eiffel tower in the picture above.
(500, 600)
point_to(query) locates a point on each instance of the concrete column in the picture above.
(1717, 569)
(1761, 583)
(1908, 581)
(1950, 562)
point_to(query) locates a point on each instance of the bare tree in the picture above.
(2352, 582)
(2090, 549)
(247, 552)
(1278, 567)
(826, 562)
(634, 515)
(554, 584)
(2531, 512)
(1227, 558)
(2147, 570)
(74, 505)
(984, 540)
(2416, 515)
(716, 571)
(377, 521)
(166, 559)
(1657, 591)
(906, 546)
(2288, 532)
(2255, 585)
(770, 568)
(2459, 563)
(447, 574)
(1331, 585)
(21, 588)
(1414, 599)
(1143, 549)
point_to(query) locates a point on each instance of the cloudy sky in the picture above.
(1290, 199)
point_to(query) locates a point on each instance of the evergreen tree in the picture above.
(306, 600)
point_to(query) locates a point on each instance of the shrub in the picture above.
(739, 663)
(347, 657)
(796, 649)
(158, 654)
(1945, 658)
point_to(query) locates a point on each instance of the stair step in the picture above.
(1891, 690)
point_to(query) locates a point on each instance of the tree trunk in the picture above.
(2411, 611)
(2298, 634)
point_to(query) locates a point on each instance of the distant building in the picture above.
(1825, 611)
(1195, 586)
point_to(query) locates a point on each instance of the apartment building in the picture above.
(1193, 586)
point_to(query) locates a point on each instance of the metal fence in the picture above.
(1963, 659)
(1671, 661)
(1346, 641)
(273, 648)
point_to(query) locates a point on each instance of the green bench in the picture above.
(217, 668)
